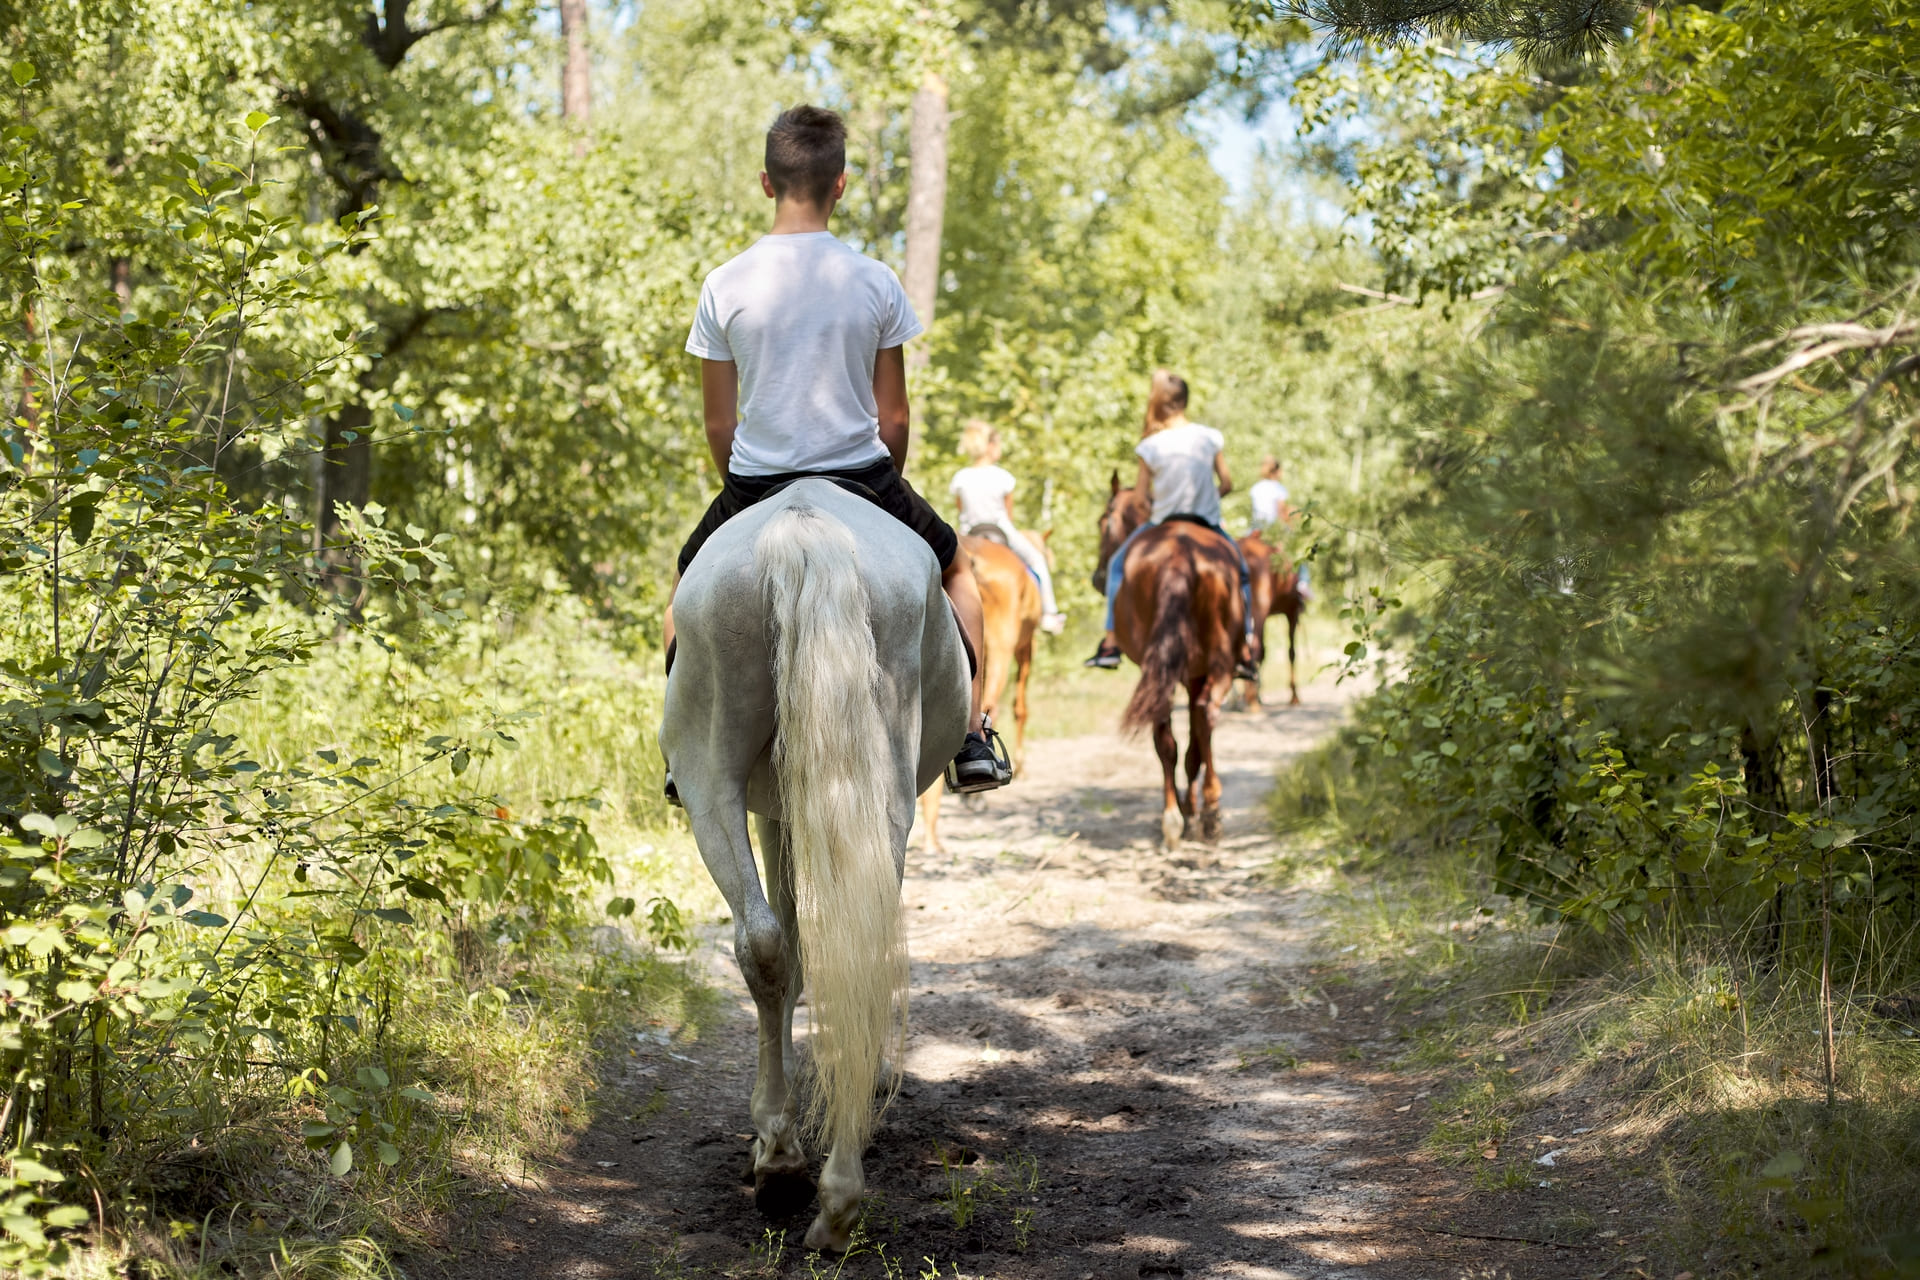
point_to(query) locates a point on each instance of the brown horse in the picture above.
(1010, 603)
(1276, 589)
(1179, 616)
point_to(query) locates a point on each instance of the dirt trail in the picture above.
(1118, 1067)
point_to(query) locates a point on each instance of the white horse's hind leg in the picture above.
(777, 854)
(766, 952)
(842, 1182)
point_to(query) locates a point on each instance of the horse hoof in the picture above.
(1172, 827)
(824, 1237)
(782, 1193)
(1210, 826)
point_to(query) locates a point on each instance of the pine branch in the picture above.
(1545, 31)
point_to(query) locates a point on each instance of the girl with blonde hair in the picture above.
(984, 494)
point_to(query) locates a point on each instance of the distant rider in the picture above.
(1270, 511)
(984, 495)
(1180, 462)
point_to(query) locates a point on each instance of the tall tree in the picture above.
(926, 198)
(576, 87)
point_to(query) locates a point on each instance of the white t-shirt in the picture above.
(1268, 497)
(1181, 459)
(802, 316)
(982, 492)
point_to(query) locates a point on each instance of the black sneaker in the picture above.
(1244, 670)
(673, 793)
(1106, 657)
(982, 764)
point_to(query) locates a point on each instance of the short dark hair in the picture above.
(806, 151)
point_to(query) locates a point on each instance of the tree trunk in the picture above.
(346, 477)
(29, 399)
(576, 86)
(926, 210)
(926, 199)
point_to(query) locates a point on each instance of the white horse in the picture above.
(781, 704)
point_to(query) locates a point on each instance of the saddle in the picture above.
(989, 533)
(995, 534)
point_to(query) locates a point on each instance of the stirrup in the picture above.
(1002, 764)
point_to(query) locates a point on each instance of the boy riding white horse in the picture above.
(820, 680)
(802, 373)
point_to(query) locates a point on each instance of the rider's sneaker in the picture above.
(1053, 623)
(1106, 657)
(1244, 670)
(981, 765)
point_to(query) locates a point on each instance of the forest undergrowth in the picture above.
(1710, 1069)
(475, 1032)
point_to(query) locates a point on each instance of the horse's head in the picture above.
(1126, 511)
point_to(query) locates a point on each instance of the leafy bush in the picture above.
(187, 921)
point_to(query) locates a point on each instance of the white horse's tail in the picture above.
(825, 754)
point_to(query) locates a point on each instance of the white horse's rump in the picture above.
(779, 703)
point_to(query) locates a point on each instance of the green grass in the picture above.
(1711, 1075)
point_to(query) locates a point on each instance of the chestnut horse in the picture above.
(1179, 616)
(1010, 603)
(1276, 589)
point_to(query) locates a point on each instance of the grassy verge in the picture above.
(1706, 1079)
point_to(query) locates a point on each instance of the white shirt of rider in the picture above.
(802, 317)
(982, 492)
(1268, 497)
(1181, 460)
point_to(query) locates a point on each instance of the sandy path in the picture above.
(1091, 1082)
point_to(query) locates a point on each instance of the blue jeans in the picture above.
(1117, 569)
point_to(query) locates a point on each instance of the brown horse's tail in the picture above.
(1163, 666)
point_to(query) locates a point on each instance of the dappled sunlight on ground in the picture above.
(1115, 1066)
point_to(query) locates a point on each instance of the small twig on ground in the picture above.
(1033, 881)
(1476, 1235)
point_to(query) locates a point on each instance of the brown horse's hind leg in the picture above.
(930, 819)
(1023, 667)
(1200, 757)
(1293, 681)
(1199, 710)
(1173, 806)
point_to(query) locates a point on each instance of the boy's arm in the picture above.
(1143, 483)
(890, 403)
(720, 398)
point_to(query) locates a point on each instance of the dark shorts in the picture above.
(879, 484)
